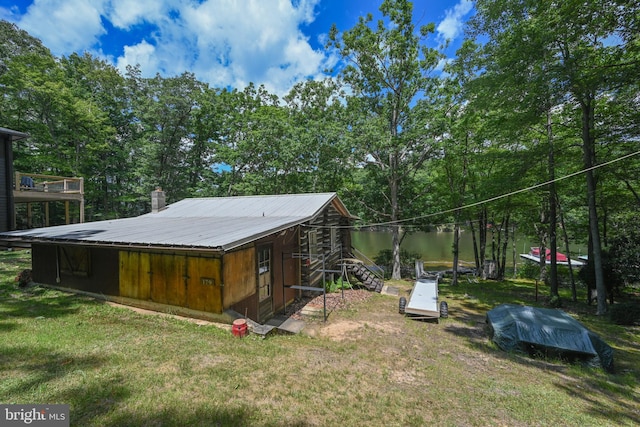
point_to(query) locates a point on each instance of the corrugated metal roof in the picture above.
(221, 223)
(289, 205)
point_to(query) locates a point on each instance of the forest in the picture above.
(533, 128)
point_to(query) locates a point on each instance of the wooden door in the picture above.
(135, 280)
(168, 279)
(265, 283)
(204, 284)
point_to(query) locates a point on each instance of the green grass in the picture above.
(117, 367)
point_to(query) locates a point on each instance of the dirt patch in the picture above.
(335, 301)
(341, 331)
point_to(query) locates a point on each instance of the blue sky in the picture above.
(226, 43)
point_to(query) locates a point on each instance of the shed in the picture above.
(201, 256)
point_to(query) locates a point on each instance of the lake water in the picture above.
(434, 247)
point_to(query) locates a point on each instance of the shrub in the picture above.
(335, 286)
(384, 259)
(529, 270)
(627, 313)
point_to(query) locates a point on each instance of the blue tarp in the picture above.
(523, 328)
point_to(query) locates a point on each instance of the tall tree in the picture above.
(586, 50)
(16, 42)
(164, 109)
(388, 70)
(318, 143)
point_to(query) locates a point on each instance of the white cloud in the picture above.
(253, 41)
(126, 13)
(64, 26)
(451, 26)
(223, 42)
(142, 54)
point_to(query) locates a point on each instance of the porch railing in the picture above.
(48, 183)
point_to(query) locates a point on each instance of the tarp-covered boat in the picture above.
(532, 329)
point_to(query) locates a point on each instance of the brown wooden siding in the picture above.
(285, 267)
(204, 288)
(101, 277)
(6, 205)
(239, 275)
(135, 280)
(184, 280)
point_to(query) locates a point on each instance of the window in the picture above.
(334, 239)
(264, 273)
(74, 260)
(313, 242)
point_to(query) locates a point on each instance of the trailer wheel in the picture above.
(402, 305)
(444, 309)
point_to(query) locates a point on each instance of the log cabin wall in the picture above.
(324, 237)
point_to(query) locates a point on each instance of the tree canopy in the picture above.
(538, 93)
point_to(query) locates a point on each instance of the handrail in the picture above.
(368, 262)
(48, 183)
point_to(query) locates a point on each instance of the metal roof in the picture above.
(220, 223)
(14, 134)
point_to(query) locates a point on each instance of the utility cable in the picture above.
(493, 199)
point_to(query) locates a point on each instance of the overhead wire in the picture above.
(492, 199)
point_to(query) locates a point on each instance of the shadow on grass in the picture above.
(213, 417)
(34, 369)
(36, 301)
(8, 326)
(607, 405)
(206, 416)
(38, 367)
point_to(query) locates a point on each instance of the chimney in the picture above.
(157, 200)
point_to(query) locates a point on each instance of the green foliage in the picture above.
(627, 313)
(337, 285)
(529, 270)
(389, 71)
(395, 141)
(624, 252)
(384, 259)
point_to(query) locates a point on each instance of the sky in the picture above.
(226, 43)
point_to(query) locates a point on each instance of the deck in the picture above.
(39, 188)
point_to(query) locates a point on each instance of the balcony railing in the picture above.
(48, 183)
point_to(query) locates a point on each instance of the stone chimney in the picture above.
(157, 200)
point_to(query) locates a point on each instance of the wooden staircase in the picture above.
(366, 276)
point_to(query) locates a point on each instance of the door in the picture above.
(265, 283)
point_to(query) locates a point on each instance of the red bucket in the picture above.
(239, 328)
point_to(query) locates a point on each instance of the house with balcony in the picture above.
(29, 200)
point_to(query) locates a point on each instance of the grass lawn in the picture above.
(367, 365)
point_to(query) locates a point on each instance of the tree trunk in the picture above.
(456, 251)
(574, 293)
(482, 231)
(474, 239)
(553, 241)
(588, 151)
(396, 273)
